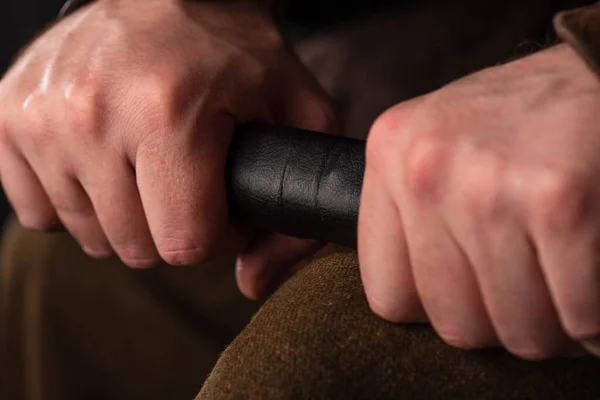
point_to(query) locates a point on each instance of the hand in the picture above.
(481, 209)
(116, 123)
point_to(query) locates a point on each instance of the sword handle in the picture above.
(299, 183)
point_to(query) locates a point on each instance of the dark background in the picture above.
(20, 20)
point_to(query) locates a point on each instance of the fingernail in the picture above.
(244, 280)
(99, 254)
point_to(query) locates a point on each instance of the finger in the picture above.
(112, 188)
(292, 97)
(565, 230)
(446, 284)
(443, 274)
(515, 292)
(512, 285)
(182, 186)
(504, 260)
(384, 262)
(270, 256)
(305, 105)
(268, 261)
(69, 200)
(312, 112)
(72, 205)
(24, 191)
(75, 211)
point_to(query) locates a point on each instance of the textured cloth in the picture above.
(76, 328)
(316, 338)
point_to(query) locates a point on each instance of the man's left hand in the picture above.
(481, 209)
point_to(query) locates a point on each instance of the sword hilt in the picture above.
(299, 183)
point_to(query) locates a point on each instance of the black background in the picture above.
(20, 21)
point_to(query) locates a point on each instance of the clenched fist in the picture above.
(481, 209)
(116, 123)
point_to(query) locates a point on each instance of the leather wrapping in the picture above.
(300, 183)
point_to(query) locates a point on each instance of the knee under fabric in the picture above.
(316, 338)
(74, 328)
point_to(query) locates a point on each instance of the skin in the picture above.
(116, 124)
(479, 206)
(480, 209)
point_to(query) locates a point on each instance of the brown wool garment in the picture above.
(317, 339)
(73, 328)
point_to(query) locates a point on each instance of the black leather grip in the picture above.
(299, 183)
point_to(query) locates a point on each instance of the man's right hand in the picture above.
(116, 123)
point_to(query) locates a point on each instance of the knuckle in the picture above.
(158, 95)
(387, 134)
(481, 188)
(397, 117)
(35, 119)
(384, 125)
(424, 165)
(559, 200)
(159, 86)
(379, 142)
(83, 108)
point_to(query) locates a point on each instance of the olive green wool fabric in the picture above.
(317, 339)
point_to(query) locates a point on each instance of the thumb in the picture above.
(307, 105)
(269, 261)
